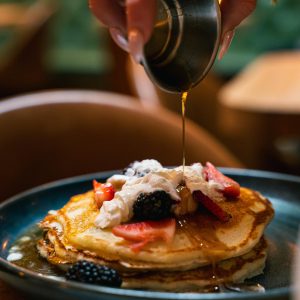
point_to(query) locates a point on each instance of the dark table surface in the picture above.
(9, 293)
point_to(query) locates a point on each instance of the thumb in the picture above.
(140, 21)
(234, 12)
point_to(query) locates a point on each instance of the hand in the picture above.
(233, 13)
(135, 19)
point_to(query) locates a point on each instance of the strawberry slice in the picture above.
(142, 233)
(103, 192)
(230, 188)
(212, 206)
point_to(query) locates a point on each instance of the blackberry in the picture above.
(153, 206)
(88, 272)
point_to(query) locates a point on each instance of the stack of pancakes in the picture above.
(204, 252)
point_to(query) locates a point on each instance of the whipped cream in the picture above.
(194, 181)
(140, 168)
(120, 208)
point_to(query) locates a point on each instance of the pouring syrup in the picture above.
(184, 96)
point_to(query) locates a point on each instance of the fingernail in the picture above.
(119, 38)
(226, 41)
(136, 44)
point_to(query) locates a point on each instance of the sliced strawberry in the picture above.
(212, 206)
(143, 233)
(103, 192)
(230, 188)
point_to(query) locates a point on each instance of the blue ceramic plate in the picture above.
(21, 212)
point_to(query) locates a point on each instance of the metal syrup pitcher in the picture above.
(184, 43)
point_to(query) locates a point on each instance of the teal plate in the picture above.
(21, 212)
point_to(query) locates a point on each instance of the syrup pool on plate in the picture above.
(23, 253)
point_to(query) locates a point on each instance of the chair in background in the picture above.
(56, 134)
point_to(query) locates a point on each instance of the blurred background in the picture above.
(250, 101)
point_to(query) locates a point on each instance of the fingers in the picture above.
(110, 13)
(140, 21)
(141, 16)
(119, 38)
(233, 13)
(130, 22)
(225, 43)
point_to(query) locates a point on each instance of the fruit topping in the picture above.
(88, 272)
(212, 206)
(142, 233)
(153, 206)
(230, 188)
(103, 192)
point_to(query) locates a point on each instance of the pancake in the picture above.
(192, 246)
(204, 250)
(233, 270)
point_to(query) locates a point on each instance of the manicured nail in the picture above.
(226, 41)
(119, 38)
(136, 44)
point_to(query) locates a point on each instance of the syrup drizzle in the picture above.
(183, 106)
(183, 223)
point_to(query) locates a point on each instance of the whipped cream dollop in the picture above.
(154, 177)
(140, 168)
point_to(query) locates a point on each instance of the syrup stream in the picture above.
(183, 105)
